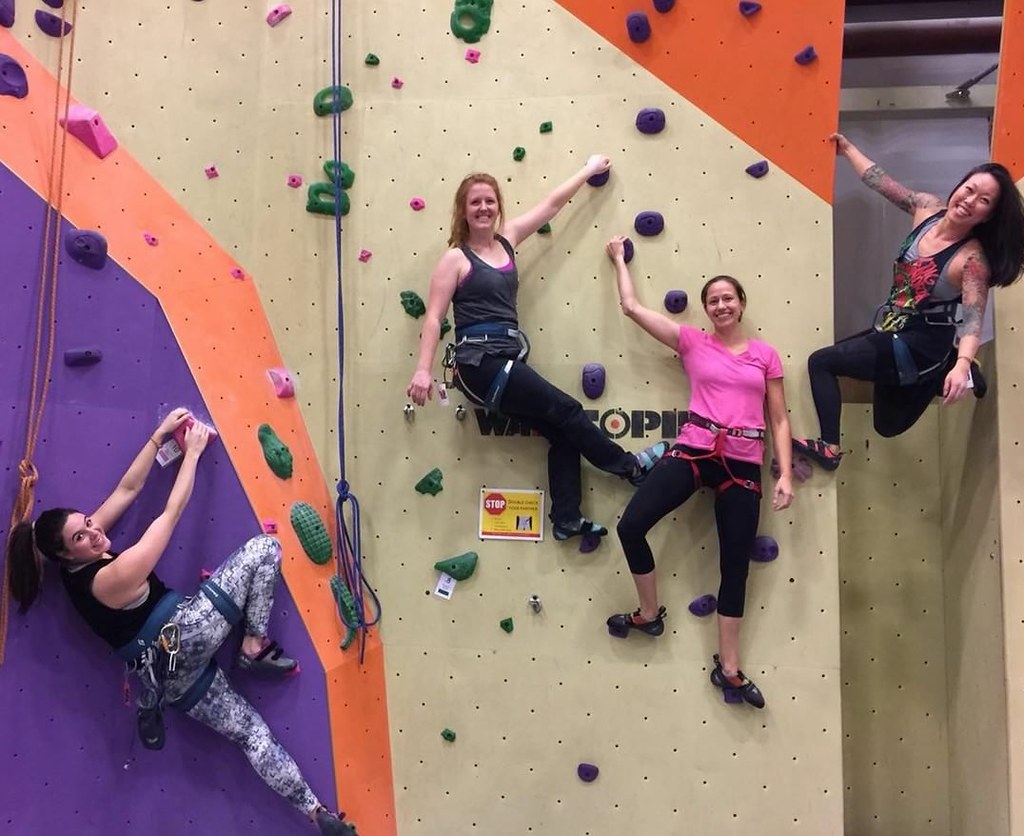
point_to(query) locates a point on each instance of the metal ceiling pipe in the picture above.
(922, 37)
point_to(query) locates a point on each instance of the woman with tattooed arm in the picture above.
(958, 249)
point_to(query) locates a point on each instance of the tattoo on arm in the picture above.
(975, 292)
(896, 193)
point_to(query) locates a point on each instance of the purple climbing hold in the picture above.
(704, 605)
(650, 120)
(649, 223)
(87, 247)
(7, 13)
(638, 27)
(765, 549)
(664, 6)
(86, 356)
(676, 301)
(54, 4)
(587, 772)
(13, 81)
(589, 543)
(748, 8)
(805, 56)
(628, 250)
(758, 169)
(50, 24)
(593, 380)
(599, 179)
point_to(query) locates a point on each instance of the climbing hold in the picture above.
(294, 181)
(418, 204)
(278, 13)
(365, 255)
(664, 6)
(284, 386)
(325, 199)
(507, 625)
(628, 250)
(599, 179)
(340, 172)
(544, 230)
(593, 380)
(13, 81)
(409, 411)
(211, 172)
(471, 19)
(269, 526)
(397, 83)
(805, 56)
(332, 100)
(87, 126)
(446, 326)
(460, 413)
(459, 567)
(346, 609)
(534, 603)
(150, 239)
(638, 27)
(703, 605)
(51, 24)
(275, 451)
(237, 273)
(676, 301)
(87, 247)
(546, 127)
(179, 434)
(473, 55)
(589, 543)
(54, 4)
(519, 153)
(587, 772)
(312, 532)
(748, 8)
(765, 549)
(802, 469)
(758, 169)
(431, 483)
(650, 120)
(649, 223)
(412, 302)
(87, 356)
(448, 735)
(7, 13)
(371, 60)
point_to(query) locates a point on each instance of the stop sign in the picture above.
(494, 503)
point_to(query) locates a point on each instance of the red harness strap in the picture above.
(716, 453)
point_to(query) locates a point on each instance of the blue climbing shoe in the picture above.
(620, 624)
(739, 685)
(580, 528)
(646, 459)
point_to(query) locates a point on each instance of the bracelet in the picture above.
(157, 443)
(965, 357)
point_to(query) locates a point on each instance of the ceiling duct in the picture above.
(878, 39)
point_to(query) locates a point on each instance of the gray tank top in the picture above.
(487, 295)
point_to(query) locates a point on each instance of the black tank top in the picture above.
(115, 627)
(487, 294)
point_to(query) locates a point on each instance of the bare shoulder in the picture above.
(972, 263)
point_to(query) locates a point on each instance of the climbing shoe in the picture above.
(150, 720)
(739, 687)
(332, 825)
(817, 451)
(270, 662)
(582, 526)
(620, 624)
(646, 459)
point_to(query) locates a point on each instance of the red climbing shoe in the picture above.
(819, 452)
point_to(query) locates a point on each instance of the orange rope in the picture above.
(41, 372)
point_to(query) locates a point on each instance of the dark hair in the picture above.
(740, 292)
(460, 227)
(24, 545)
(1002, 235)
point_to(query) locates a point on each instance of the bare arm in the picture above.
(443, 282)
(658, 325)
(975, 275)
(876, 178)
(782, 443)
(523, 226)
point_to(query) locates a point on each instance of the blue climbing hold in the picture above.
(650, 120)
(649, 223)
(638, 27)
(759, 169)
(748, 8)
(7, 13)
(703, 605)
(51, 24)
(628, 250)
(87, 247)
(599, 179)
(805, 56)
(13, 81)
(664, 6)
(676, 301)
(593, 380)
(765, 549)
(85, 356)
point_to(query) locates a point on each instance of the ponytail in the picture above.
(27, 545)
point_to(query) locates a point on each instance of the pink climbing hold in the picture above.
(365, 255)
(473, 55)
(418, 204)
(397, 83)
(294, 181)
(270, 527)
(179, 434)
(211, 172)
(237, 273)
(86, 125)
(150, 239)
(278, 13)
(284, 387)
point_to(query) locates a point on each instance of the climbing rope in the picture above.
(46, 309)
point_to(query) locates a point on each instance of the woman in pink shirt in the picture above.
(732, 379)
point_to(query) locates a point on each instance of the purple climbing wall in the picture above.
(67, 734)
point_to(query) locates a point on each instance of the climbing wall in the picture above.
(529, 706)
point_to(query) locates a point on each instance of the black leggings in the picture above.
(737, 513)
(560, 419)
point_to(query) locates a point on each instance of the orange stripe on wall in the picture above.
(228, 344)
(1008, 128)
(741, 71)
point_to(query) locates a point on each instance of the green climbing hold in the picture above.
(371, 60)
(342, 173)
(332, 100)
(448, 735)
(506, 625)
(519, 153)
(324, 199)
(546, 127)
(346, 605)
(413, 303)
(471, 19)
(275, 451)
(431, 483)
(544, 230)
(312, 532)
(459, 567)
(446, 326)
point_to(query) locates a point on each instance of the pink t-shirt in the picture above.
(728, 389)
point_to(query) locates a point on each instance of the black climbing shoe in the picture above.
(620, 624)
(150, 720)
(818, 452)
(332, 825)
(746, 689)
(581, 527)
(270, 662)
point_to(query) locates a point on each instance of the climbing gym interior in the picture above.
(237, 208)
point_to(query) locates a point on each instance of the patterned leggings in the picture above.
(248, 576)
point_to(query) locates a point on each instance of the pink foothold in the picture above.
(269, 527)
(364, 255)
(237, 273)
(282, 380)
(86, 125)
(278, 13)
(473, 55)
(150, 239)
(211, 172)
(397, 83)
(417, 203)
(294, 181)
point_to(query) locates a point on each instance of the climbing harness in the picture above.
(717, 453)
(892, 320)
(478, 333)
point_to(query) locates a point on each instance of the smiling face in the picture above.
(482, 209)
(83, 540)
(974, 200)
(477, 209)
(723, 305)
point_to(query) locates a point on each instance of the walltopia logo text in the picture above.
(614, 423)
